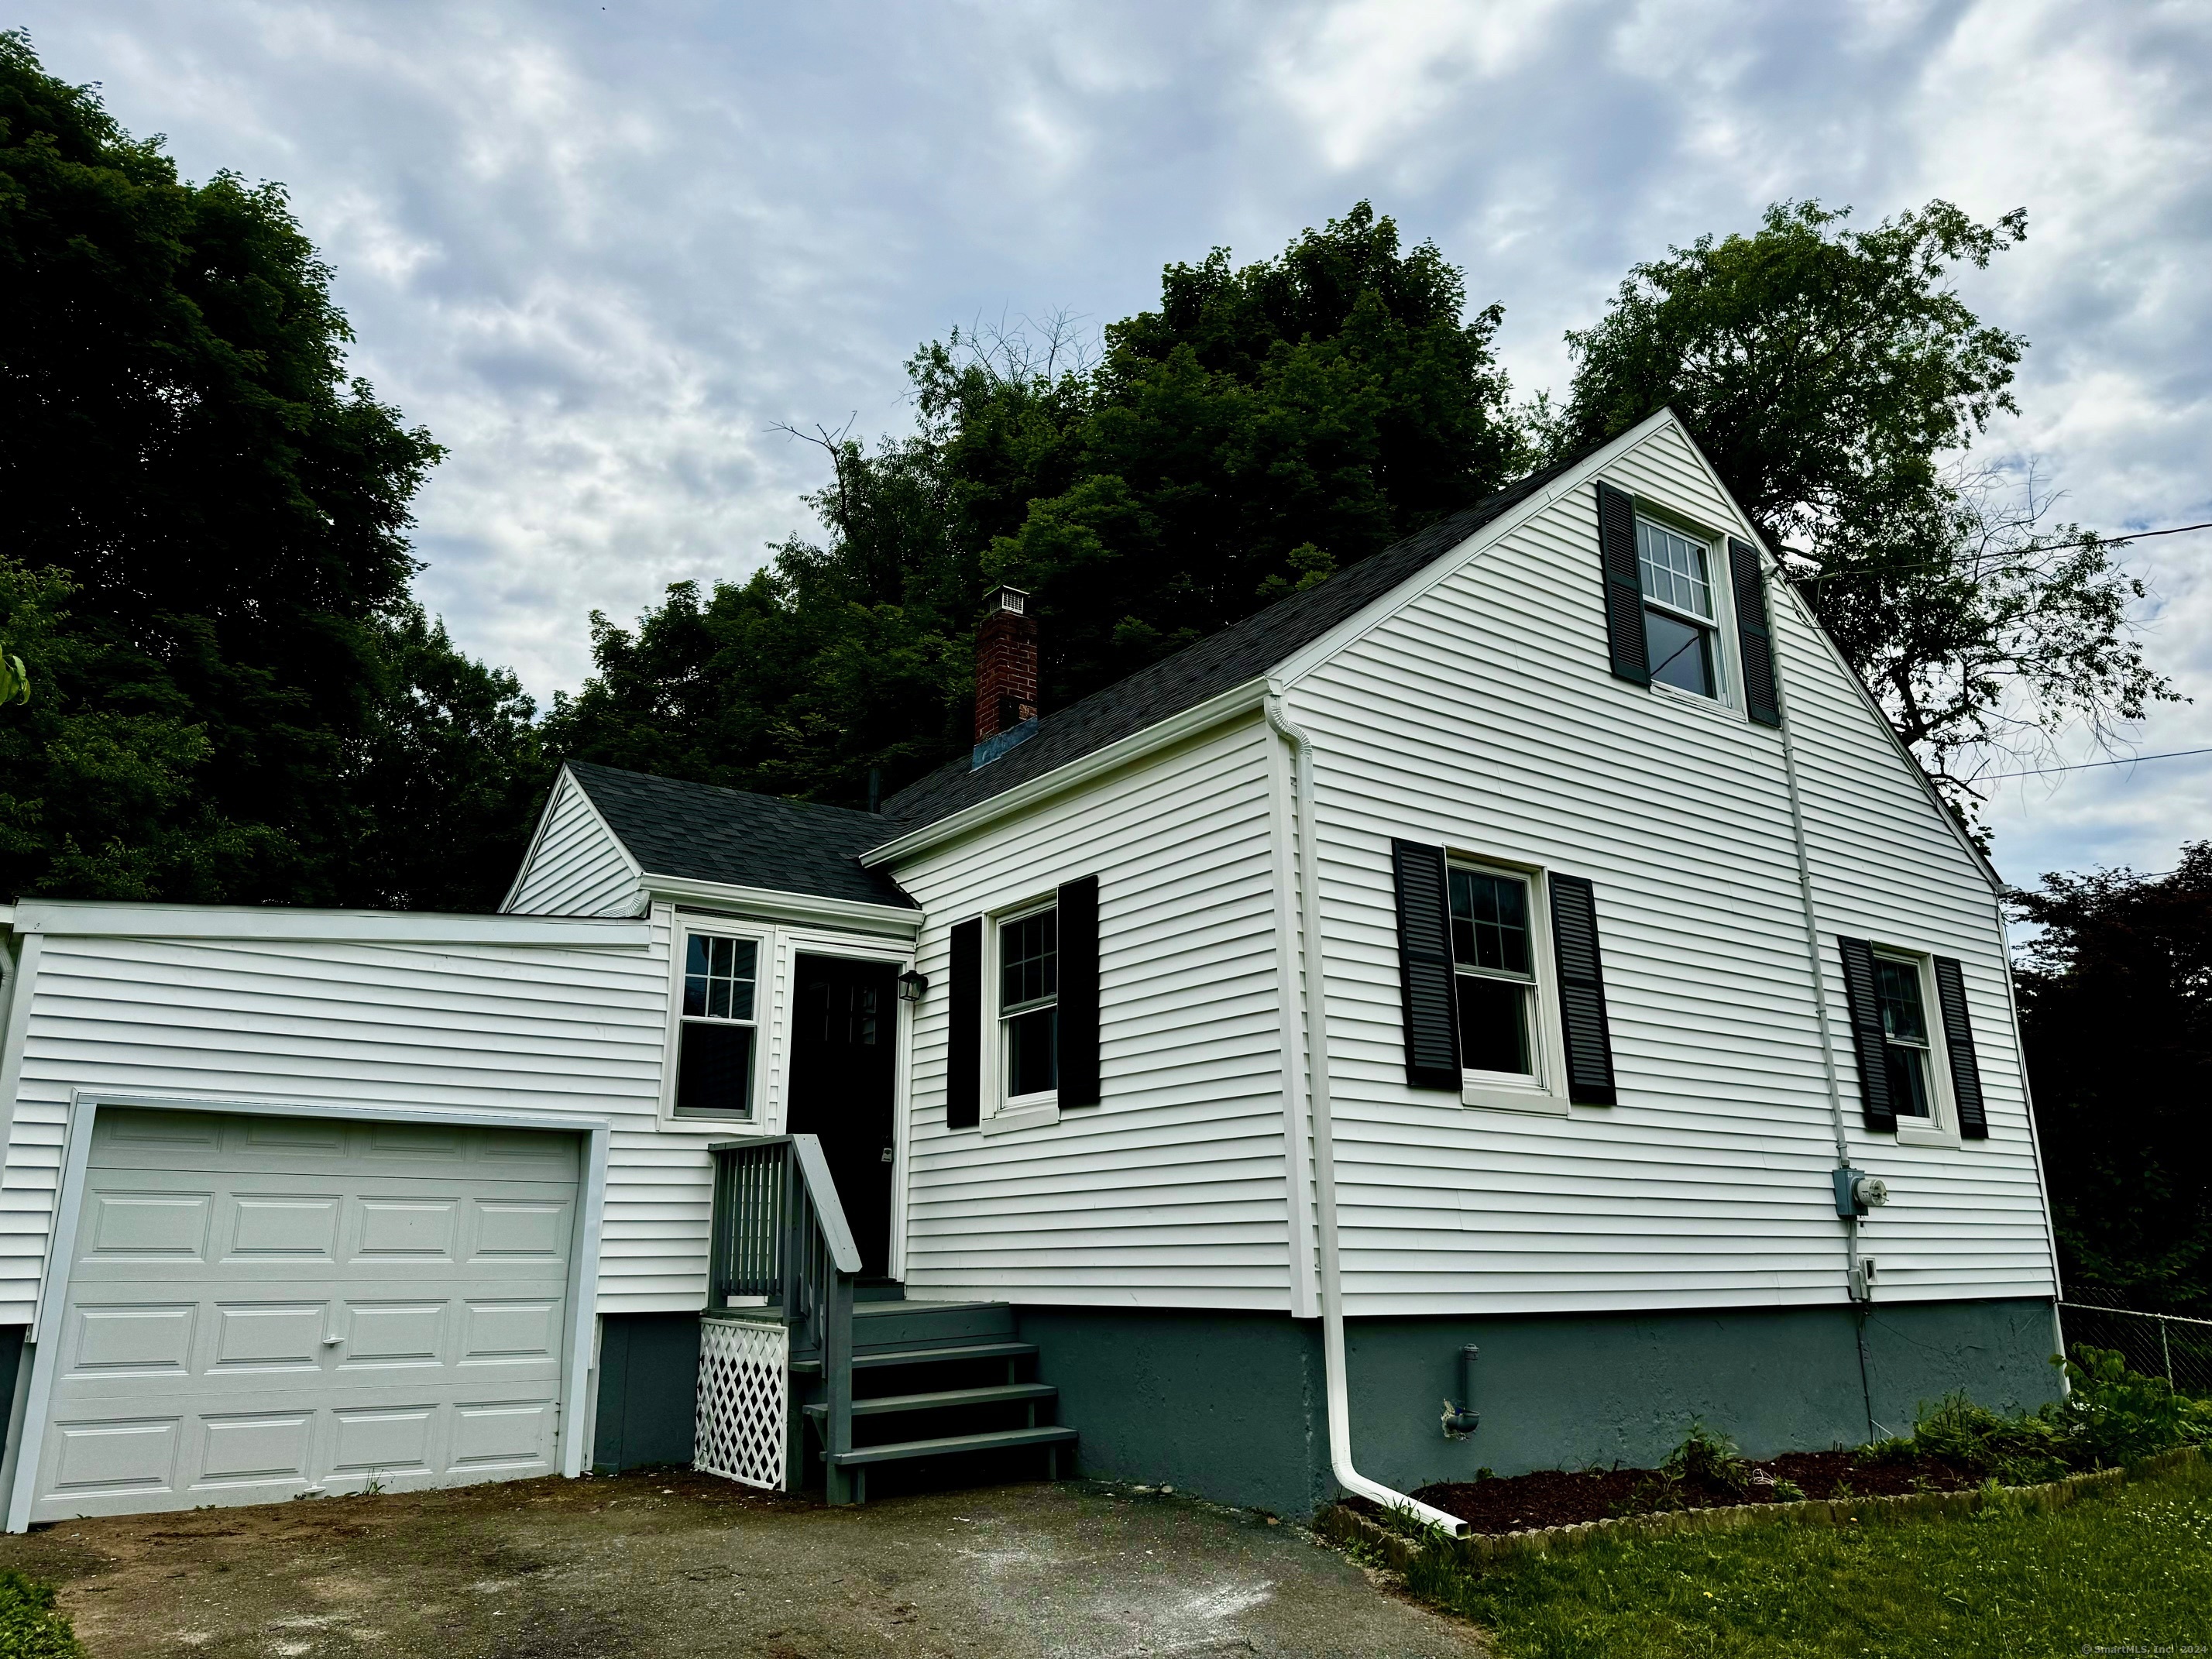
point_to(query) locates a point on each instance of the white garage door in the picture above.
(262, 1306)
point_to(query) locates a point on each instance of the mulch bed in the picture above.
(1559, 1497)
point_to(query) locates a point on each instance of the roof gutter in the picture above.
(1226, 705)
(766, 904)
(130, 919)
(1336, 1382)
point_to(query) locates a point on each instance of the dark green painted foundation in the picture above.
(1230, 1405)
(648, 1391)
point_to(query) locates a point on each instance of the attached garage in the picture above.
(254, 1306)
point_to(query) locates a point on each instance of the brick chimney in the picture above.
(1006, 665)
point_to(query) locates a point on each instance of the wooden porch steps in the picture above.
(951, 1367)
(896, 1451)
(1008, 1393)
(876, 1359)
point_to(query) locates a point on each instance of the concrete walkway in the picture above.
(689, 1565)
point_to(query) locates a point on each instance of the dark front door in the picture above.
(843, 1059)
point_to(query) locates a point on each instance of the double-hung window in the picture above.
(1906, 1053)
(717, 1035)
(1679, 617)
(1494, 974)
(1029, 1008)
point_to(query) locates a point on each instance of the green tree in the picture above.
(444, 781)
(1261, 427)
(1836, 379)
(210, 525)
(2116, 1013)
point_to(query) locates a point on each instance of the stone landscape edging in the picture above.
(1344, 1525)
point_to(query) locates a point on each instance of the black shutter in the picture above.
(1079, 993)
(964, 1037)
(1866, 1035)
(1581, 992)
(1752, 635)
(1959, 1041)
(1624, 585)
(1424, 965)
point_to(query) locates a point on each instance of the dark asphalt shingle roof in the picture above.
(703, 832)
(1244, 651)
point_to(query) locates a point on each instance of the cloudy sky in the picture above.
(600, 250)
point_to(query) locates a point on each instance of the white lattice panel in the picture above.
(744, 1394)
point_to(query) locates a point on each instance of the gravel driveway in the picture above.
(684, 1564)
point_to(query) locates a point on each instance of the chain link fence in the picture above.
(2157, 1345)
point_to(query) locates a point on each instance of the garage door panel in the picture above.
(412, 1230)
(285, 1226)
(516, 1436)
(259, 1447)
(134, 1128)
(140, 1226)
(411, 1331)
(129, 1339)
(435, 1143)
(504, 1332)
(195, 1367)
(263, 1336)
(116, 1455)
(520, 1230)
(388, 1440)
(521, 1155)
(307, 1136)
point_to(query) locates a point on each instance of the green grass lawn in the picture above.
(2128, 1570)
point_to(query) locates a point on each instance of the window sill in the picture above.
(1717, 707)
(1913, 1134)
(1006, 1121)
(1510, 1097)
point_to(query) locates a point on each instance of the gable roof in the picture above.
(703, 832)
(1240, 652)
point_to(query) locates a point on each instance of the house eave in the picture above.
(1223, 705)
(768, 904)
(114, 919)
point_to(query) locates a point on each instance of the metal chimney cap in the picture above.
(1010, 598)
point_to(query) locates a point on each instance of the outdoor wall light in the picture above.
(911, 985)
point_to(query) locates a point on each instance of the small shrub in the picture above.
(1897, 1449)
(2113, 1415)
(29, 1627)
(1789, 1491)
(2018, 1450)
(1709, 1459)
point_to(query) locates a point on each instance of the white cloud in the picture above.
(601, 251)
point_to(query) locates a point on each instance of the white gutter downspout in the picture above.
(1854, 1288)
(1336, 1384)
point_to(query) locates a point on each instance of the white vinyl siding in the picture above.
(1171, 1192)
(466, 1027)
(1481, 717)
(576, 868)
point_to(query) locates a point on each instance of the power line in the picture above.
(2083, 766)
(2138, 534)
(2119, 539)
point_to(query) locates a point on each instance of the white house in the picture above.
(1531, 939)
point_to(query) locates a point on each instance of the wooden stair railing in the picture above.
(780, 1240)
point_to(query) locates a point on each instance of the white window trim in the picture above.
(768, 963)
(1941, 1128)
(1720, 582)
(1546, 1092)
(1002, 1113)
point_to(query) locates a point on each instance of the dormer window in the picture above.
(1678, 608)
